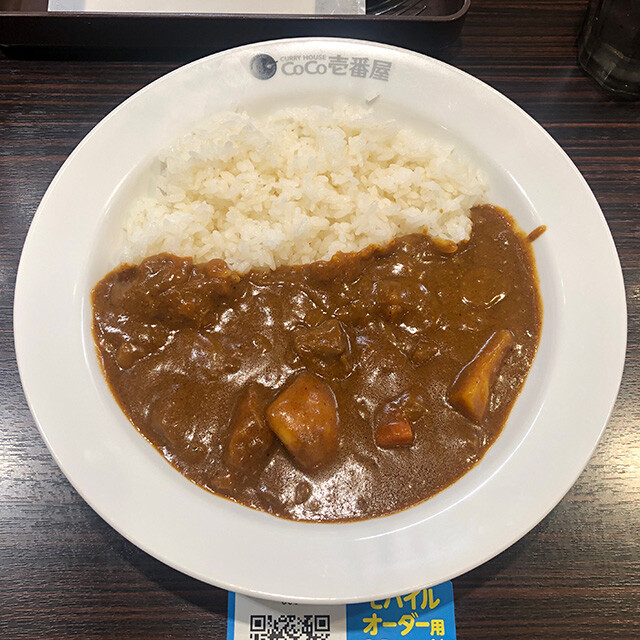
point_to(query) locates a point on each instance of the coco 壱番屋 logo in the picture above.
(264, 66)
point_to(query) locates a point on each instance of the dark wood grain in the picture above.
(65, 574)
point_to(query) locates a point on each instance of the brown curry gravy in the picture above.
(387, 329)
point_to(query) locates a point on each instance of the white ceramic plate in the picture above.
(552, 431)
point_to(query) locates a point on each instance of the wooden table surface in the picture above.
(64, 573)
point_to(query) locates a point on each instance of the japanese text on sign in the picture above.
(426, 614)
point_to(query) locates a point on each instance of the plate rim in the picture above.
(18, 340)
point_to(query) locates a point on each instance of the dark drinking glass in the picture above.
(609, 46)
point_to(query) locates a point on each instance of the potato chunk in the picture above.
(305, 419)
(251, 438)
(471, 390)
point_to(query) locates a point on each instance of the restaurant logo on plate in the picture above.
(264, 66)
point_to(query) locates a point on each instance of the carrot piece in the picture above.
(396, 433)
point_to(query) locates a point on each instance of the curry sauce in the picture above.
(331, 391)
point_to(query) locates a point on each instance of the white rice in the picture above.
(298, 186)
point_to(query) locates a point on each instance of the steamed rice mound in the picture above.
(300, 185)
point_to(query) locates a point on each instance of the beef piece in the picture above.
(251, 438)
(327, 340)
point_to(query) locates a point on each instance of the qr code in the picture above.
(289, 627)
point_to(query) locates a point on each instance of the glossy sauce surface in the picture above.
(192, 351)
